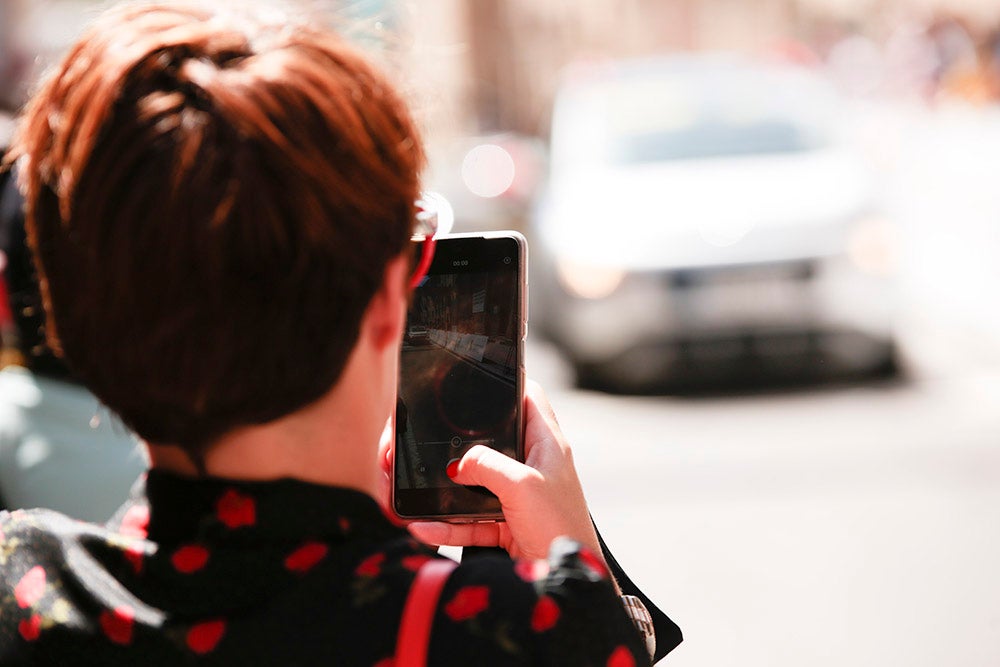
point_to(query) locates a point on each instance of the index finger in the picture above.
(538, 400)
(540, 423)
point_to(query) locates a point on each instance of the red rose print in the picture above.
(30, 628)
(306, 557)
(134, 555)
(468, 602)
(31, 587)
(385, 662)
(117, 624)
(371, 566)
(594, 563)
(415, 562)
(531, 570)
(204, 637)
(621, 657)
(189, 558)
(545, 615)
(135, 523)
(235, 509)
(345, 525)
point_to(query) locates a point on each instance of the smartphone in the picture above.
(461, 374)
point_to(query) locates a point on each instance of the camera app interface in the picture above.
(459, 371)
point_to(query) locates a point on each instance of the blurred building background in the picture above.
(518, 48)
(490, 68)
(492, 65)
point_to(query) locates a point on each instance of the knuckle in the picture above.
(532, 481)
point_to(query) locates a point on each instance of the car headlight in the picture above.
(587, 281)
(870, 246)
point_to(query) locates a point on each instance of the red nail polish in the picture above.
(452, 468)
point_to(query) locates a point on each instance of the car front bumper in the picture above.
(728, 311)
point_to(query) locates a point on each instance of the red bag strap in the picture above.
(414, 637)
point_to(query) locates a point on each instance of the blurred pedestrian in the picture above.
(220, 207)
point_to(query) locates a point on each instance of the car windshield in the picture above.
(710, 138)
(656, 116)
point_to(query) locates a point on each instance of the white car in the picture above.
(705, 215)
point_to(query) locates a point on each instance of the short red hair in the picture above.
(212, 202)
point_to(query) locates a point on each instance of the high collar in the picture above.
(183, 508)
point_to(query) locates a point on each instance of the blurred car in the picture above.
(58, 448)
(417, 335)
(55, 454)
(704, 217)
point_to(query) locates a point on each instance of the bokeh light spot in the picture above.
(488, 170)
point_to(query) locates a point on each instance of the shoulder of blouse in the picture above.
(559, 610)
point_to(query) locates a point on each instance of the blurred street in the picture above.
(844, 525)
(852, 526)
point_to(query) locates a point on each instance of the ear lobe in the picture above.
(385, 316)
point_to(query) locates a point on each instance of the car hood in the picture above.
(706, 212)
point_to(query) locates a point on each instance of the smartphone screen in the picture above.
(461, 374)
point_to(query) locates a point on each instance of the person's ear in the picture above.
(385, 316)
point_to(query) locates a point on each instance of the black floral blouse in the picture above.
(282, 573)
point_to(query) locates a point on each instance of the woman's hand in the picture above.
(541, 499)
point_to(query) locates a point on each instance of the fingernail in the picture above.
(452, 468)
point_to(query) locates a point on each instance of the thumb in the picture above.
(483, 466)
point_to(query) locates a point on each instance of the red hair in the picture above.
(212, 202)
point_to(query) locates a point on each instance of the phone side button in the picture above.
(527, 314)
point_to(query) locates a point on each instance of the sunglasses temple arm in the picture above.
(426, 257)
